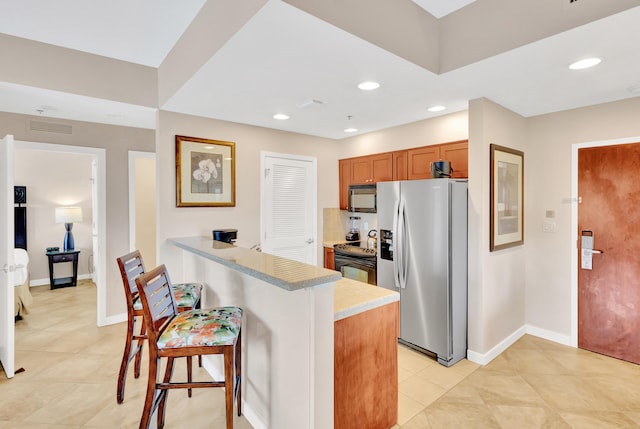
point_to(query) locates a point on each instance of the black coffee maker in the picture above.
(225, 235)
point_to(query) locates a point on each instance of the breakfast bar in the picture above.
(288, 341)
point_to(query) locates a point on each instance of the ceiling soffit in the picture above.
(481, 29)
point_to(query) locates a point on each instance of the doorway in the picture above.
(97, 182)
(605, 294)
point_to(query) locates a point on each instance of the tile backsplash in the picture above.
(336, 224)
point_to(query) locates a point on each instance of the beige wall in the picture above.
(445, 128)
(245, 216)
(548, 187)
(54, 179)
(117, 141)
(145, 208)
(52, 67)
(496, 280)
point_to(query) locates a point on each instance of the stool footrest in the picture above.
(185, 385)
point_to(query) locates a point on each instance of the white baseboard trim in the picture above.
(550, 335)
(213, 365)
(116, 318)
(483, 359)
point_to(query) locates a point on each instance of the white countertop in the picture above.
(352, 297)
(281, 272)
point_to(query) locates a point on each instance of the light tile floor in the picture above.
(71, 368)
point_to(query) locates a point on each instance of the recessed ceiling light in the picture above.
(280, 116)
(368, 86)
(436, 108)
(585, 64)
(350, 130)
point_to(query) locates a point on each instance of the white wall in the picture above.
(54, 179)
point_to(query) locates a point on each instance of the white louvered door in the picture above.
(288, 215)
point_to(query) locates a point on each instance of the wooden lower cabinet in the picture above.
(328, 258)
(366, 369)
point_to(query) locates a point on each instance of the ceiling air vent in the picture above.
(50, 127)
(312, 102)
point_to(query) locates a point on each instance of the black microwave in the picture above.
(362, 198)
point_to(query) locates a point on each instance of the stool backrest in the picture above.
(131, 267)
(158, 303)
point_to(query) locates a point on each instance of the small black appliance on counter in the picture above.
(225, 235)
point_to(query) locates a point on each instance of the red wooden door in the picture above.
(609, 293)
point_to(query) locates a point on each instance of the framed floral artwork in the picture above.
(205, 172)
(507, 198)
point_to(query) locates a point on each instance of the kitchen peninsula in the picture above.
(288, 337)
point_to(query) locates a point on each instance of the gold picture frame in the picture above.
(507, 198)
(205, 172)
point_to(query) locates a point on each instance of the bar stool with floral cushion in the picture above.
(195, 332)
(187, 297)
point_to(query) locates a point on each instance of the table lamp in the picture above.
(68, 215)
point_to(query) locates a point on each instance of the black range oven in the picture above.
(356, 263)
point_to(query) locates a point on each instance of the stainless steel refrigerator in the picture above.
(422, 252)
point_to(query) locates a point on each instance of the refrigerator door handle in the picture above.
(396, 254)
(402, 260)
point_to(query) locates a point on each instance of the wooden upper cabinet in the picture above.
(344, 172)
(419, 161)
(381, 167)
(399, 165)
(410, 164)
(360, 170)
(457, 154)
(372, 169)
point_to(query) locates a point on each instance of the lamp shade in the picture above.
(68, 214)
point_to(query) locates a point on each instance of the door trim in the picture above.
(101, 263)
(574, 223)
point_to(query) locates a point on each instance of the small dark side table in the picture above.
(57, 257)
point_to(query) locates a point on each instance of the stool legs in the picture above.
(128, 354)
(238, 364)
(229, 384)
(156, 396)
(141, 339)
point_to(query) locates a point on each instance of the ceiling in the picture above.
(284, 60)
